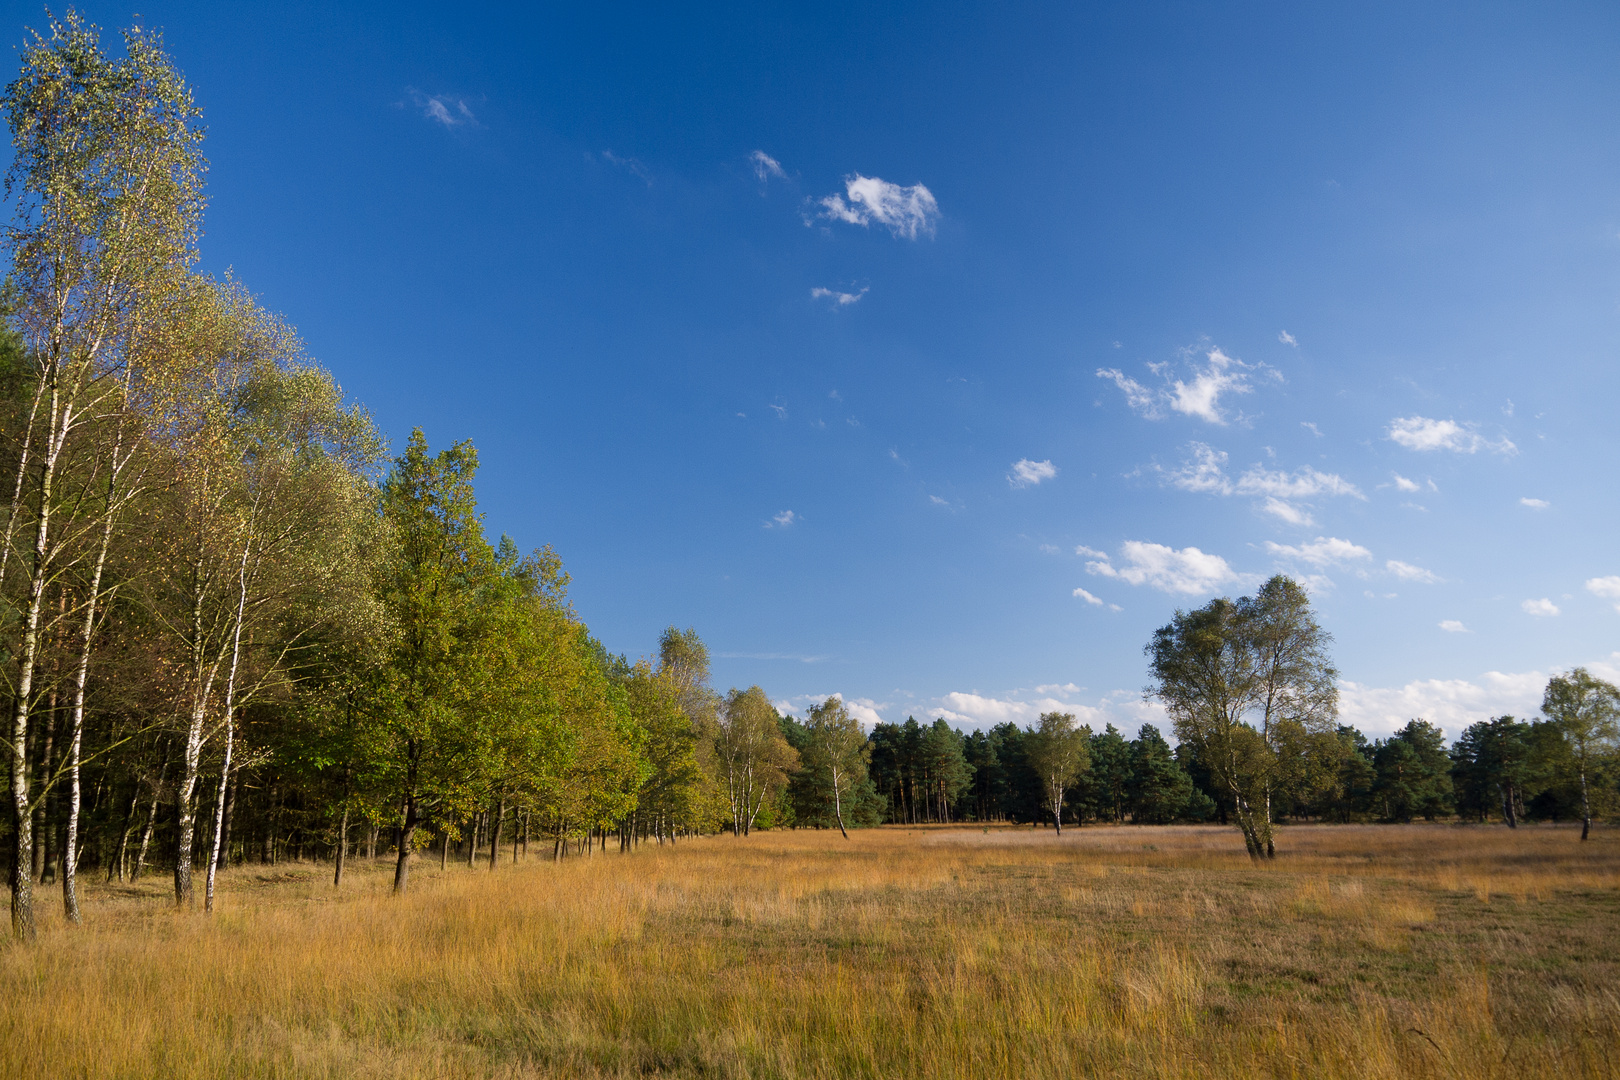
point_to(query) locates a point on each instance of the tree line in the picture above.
(1252, 696)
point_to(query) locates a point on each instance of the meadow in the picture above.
(1364, 951)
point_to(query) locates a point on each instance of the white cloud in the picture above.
(1323, 551)
(1201, 396)
(1408, 572)
(937, 501)
(766, 166)
(1452, 626)
(630, 163)
(841, 299)
(1288, 512)
(1535, 504)
(906, 211)
(783, 520)
(1286, 338)
(1452, 704)
(1403, 484)
(1606, 587)
(1137, 396)
(1543, 608)
(1186, 571)
(1096, 600)
(1422, 433)
(444, 109)
(1027, 473)
(1093, 553)
(864, 710)
(1123, 708)
(1198, 396)
(1206, 472)
(1312, 428)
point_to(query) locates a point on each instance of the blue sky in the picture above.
(862, 338)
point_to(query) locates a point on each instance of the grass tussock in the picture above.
(1362, 951)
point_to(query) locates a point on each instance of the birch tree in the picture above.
(837, 754)
(1058, 753)
(1218, 668)
(752, 756)
(106, 189)
(1587, 712)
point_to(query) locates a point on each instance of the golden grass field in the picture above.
(1366, 951)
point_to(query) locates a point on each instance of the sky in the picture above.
(933, 355)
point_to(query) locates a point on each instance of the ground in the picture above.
(1376, 951)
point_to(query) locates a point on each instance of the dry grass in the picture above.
(1363, 951)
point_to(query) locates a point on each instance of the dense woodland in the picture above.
(234, 628)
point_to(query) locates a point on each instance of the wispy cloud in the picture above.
(1403, 484)
(630, 163)
(1027, 473)
(1408, 572)
(904, 211)
(766, 167)
(796, 657)
(1312, 428)
(1095, 601)
(1453, 626)
(839, 299)
(1188, 570)
(1543, 608)
(1197, 395)
(446, 109)
(1535, 504)
(1286, 338)
(1323, 551)
(1422, 433)
(783, 520)
(1606, 587)
(1205, 472)
(1288, 512)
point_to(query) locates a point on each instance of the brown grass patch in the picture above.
(1361, 951)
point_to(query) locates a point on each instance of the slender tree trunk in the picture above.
(1586, 806)
(120, 864)
(151, 816)
(496, 822)
(230, 722)
(342, 846)
(838, 803)
(44, 857)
